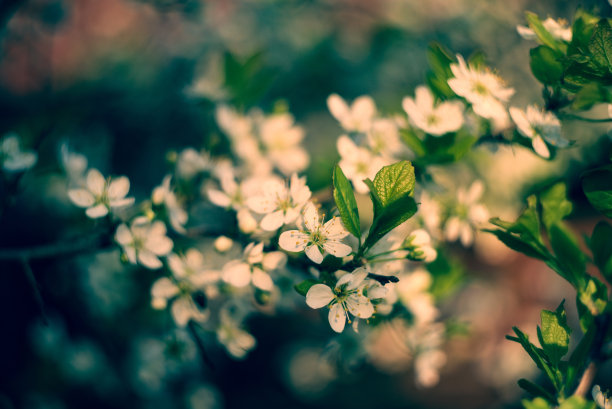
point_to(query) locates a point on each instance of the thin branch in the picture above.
(587, 379)
(582, 118)
(193, 331)
(25, 264)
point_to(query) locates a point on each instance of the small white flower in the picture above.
(356, 118)
(143, 242)
(316, 238)
(12, 158)
(280, 204)
(236, 341)
(483, 89)
(602, 399)
(346, 296)
(383, 138)
(413, 291)
(419, 246)
(74, 164)
(164, 195)
(541, 127)
(434, 120)
(191, 162)
(252, 268)
(188, 289)
(100, 195)
(358, 163)
(559, 29)
(468, 214)
(281, 139)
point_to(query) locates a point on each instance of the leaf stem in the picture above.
(25, 264)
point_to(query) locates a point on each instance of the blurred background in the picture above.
(126, 81)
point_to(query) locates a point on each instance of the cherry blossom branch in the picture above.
(85, 244)
(602, 324)
(193, 331)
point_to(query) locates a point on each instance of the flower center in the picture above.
(480, 88)
(317, 238)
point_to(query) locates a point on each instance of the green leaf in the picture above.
(601, 45)
(594, 296)
(541, 394)
(517, 244)
(537, 403)
(554, 334)
(346, 203)
(439, 61)
(601, 246)
(541, 32)
(555, 206)
(597, 186)
(546, 65)
(394, 181)
(389, 217)
(577, 402)
(578, 359)
(571, 260)
(589, 95)
(303, 287)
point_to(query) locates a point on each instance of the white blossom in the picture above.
(254, 267)
(223, 244)
(419, 246)
(484, 90)
(383, 138)
(164, 195)
(316, 238)
(12, 158)
(355, 118)
(358, 163)
(468, 214)
(100, 194)
(281, 139)
(413, 292)
(279, 203)
(236, 340)
(74, 163)
(431, 118)
(543, 128)
(559, 29)
(346, 296)
(191, 162)
(601, 399)
(144, 241)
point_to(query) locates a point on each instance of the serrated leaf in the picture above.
(537, 355)
(594, 296)
(601, 45)
(390, 217)
(346, 203)
(303, 287)
(546, 65)
(589, 95)
(601, 246)
(394, 181)
(597, 186)
(555, 206)
(518, 244)
(554, 334)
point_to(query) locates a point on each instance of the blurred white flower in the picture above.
(316, 238)
(281, 139)
(484, 90)
(144, 241)
(280, 204)
(236, 341)
(100, 195)
(164, 195)
(254, 267)
(383, 138)
(434, 120)
(419, 246)
(358, 163)
(541, 127)
(12, 158)
(427, 367)
(356, 118)
(346, 296)
(429, 214)
(191, 162)
(74, 164)
(187, 289)
(601, 398)
(413, 291)
(559, 29)
(467, 215)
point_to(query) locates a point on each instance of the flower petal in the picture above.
(359, 306)
(319, 295)
(97, 211)
(118, 188)
(293, 240)
(314, 254)
(81, 197)
(164, 288)
(123, 235)
(148, 259)
(262, 280)
(273, 221)
(310, 215)
(337, 248)
(95, 182)
(539, 146)
(337, 318)
(237, 273)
